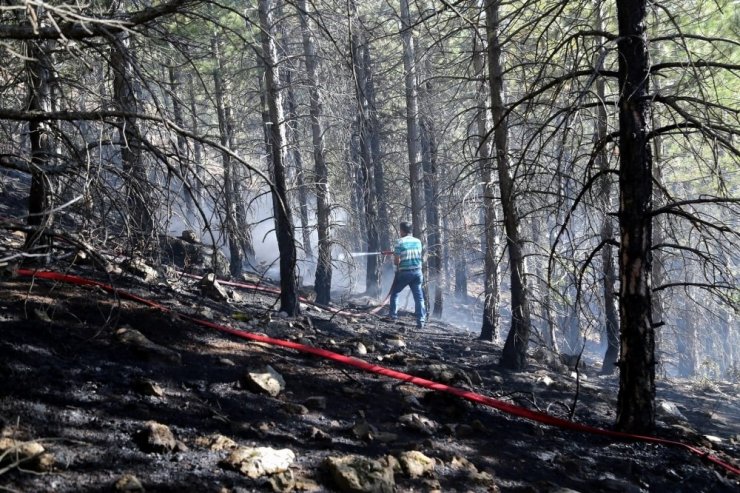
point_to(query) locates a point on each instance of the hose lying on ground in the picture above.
(511, 409)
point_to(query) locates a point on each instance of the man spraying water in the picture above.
(407, 256)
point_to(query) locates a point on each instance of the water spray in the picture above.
(365, 254)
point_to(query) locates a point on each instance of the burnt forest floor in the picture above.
(84, 374)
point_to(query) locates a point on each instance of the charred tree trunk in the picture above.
(658, 274)
(358, 240)
(514, 355)
(39, 72)
(283, 217)
(461, 259)
(236, 258)
(687, 345)
(609, 279)
(374, 136)
(372, 277)
(412, 122)
(372, 272)
(490, 322)
(197, 145)
(322, 284)
(611, 320)
(431, 194)
(636, 400)
(183, 158)
(138, 194)
(297, 158)
(293, 140)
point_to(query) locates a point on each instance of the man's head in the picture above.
(405, 228)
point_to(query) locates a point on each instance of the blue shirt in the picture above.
(408, 250)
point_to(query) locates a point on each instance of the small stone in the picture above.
(419, 423)
(255, 462)
(358, 474)
(319, 435)
(205, 312)
(211, 288)
(28, 455)
(283, 482)
(128, 483)
(139, 268)
(668, 409)
(12, 449)
(416, 464)
(139, 343)
(396, 342)
(155, 437)
(480, 477)
(265, 381)
(545, 380)
(216, 442)
(148, 387)
(713, 439)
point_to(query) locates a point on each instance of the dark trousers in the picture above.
(414, 280)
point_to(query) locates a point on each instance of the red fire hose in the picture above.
(380, 370)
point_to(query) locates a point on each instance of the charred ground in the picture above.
(73, 382)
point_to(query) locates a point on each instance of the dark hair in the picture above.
(405, 227)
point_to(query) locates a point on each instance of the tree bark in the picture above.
(236, 258)
(412, 122)
(514, 355)
(609, 279)
(322, 283)
(197, 145)
(283, 217)
(461, 258)
(293, 139)
(374, 136)
(609, 276)
(39, 68)
(490, 320)
(359, 236)
(140, 220)
(372, 271)
(687, 342)
(431, 193)
(636, 399)
(658, 274)
(183, 158)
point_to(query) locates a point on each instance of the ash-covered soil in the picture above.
(122, 397)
